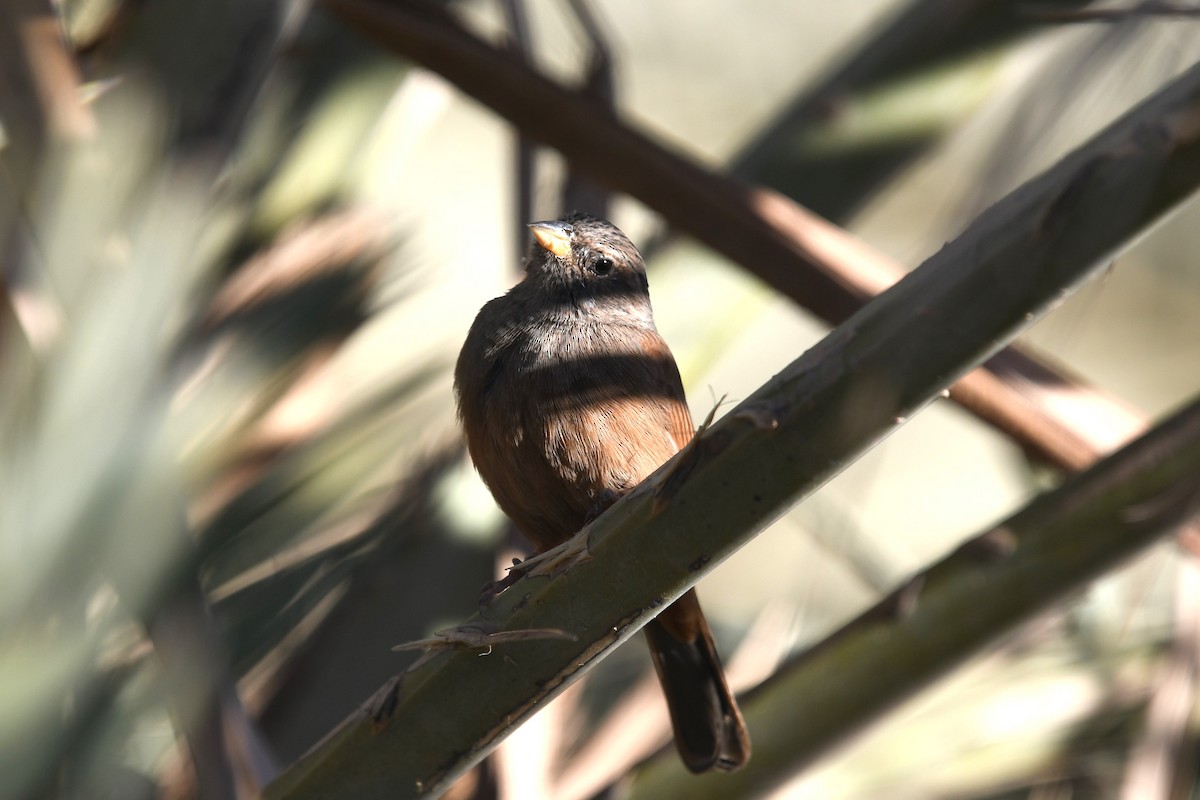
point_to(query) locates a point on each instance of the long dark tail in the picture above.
(709, 730)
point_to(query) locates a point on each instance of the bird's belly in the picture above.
(556, 466)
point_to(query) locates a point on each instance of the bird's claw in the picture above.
(556, 560)
(552, 562)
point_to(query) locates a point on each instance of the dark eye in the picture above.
(602, 266)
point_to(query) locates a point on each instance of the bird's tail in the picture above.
(709, 730)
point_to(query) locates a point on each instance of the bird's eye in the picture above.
(602, 266)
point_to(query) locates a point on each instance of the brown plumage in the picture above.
(569, 398)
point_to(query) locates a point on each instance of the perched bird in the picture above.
(569, 398)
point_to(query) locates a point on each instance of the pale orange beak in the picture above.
(552, 236)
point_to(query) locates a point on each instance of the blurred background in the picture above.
(242, 245)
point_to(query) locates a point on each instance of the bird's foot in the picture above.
(556, 560)
(552, 562)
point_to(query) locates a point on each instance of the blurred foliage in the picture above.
(241, 246)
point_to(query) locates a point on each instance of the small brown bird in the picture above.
(569, 398)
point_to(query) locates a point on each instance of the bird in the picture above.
(569, 398)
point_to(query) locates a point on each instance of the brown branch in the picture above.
(788, 438)
(815, 263)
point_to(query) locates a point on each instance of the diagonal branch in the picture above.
(841, 397)
(945, 613)
(814, 262)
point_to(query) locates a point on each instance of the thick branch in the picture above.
(814, 262)
(951, 610)
(779, 445)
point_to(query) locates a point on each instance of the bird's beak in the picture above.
(553, 236)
